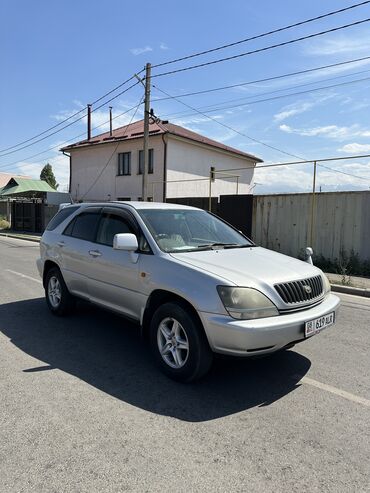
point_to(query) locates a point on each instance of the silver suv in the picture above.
(195, 285)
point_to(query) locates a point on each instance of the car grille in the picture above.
(300, 291)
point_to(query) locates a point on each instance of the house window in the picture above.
(150, 163)
(124, 163)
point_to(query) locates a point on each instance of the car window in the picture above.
(110, 225)
(190, 229)
(83, 226)
(60, 217)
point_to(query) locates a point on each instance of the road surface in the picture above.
(83, 409)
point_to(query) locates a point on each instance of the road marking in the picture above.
(336, 391)
(23, 275)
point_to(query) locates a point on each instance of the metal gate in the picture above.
(27, 216)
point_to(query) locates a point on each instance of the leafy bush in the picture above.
(347, 264)
(4, 224)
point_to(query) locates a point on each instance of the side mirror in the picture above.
(125, 241)
(309, 253)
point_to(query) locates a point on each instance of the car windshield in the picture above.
(184, 230)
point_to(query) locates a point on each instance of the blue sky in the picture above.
(58, 56)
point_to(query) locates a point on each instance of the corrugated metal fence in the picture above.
(341, 223)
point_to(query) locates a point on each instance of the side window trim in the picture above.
(131, 219)
(86, 210)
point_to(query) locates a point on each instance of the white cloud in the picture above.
(291, 110)
(163, 46)
(330, 131)
(355, 148)
(59, 163)
(140, 51)
(298, 178)
(356, 45)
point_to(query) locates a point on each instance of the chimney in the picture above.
(110, 122)
(88, 121)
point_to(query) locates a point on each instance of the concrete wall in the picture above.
(190, 160)
(341, 223)
(88, 163)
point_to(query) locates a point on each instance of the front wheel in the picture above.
(179, 344)
(58, 298)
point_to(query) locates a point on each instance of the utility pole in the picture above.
(313, 205)
(146, 131)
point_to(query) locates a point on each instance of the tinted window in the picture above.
(109, 226)
(83, 226)
(60, 217)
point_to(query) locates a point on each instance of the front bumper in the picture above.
(261, 336)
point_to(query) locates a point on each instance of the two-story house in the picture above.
(110, 166)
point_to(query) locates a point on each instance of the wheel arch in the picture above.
(49, 264)
(157, 298)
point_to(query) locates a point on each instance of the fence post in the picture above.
(210, 190)
(313, 204)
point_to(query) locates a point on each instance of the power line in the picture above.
(266, 79)
(218, 108)
(251, 138)
(69, 124)
(312, 19)
(259, 50)
(114, 151)
(73, 115)
(65, 142)
(225, 125)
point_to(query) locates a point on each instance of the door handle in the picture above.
(60, 243)
(95, 253)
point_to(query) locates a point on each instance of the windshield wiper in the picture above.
(220, 244)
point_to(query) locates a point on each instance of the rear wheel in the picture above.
(179, 344)
(58, 298)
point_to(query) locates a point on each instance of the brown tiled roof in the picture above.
(136, 130)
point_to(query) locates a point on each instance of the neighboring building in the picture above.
(109, 167)
(5, 177)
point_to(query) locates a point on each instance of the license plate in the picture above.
(318, 324)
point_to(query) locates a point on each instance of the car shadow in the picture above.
(107, 352)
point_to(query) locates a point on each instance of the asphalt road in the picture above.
(82, 409)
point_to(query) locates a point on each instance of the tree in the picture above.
(48, 176)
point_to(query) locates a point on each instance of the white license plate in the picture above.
(318, 324)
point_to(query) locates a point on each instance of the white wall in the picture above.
(87, 163)
(188, 160)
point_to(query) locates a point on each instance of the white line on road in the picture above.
(23, 275)
(336, 391)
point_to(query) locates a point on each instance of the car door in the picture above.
(74, 246)
(114, 274)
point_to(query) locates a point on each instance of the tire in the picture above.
(59, 300)
(178, 343)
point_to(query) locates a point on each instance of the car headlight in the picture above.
(246, 303)
(327, 287)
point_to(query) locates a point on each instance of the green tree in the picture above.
(48, 176)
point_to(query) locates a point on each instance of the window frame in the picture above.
(140, 169)
(119, 169)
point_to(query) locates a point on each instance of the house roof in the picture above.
(5, 177)
(136, 130)
(19, 186)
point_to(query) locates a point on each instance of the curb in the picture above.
(21, 237)
(351, 290)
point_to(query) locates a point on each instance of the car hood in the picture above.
(248, 266)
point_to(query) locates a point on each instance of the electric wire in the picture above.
(266, 79)
(63, 143)
(69, 124)
(253, 139)
(259, 50)
(274, 31)
(212, 108)
(114, 151)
